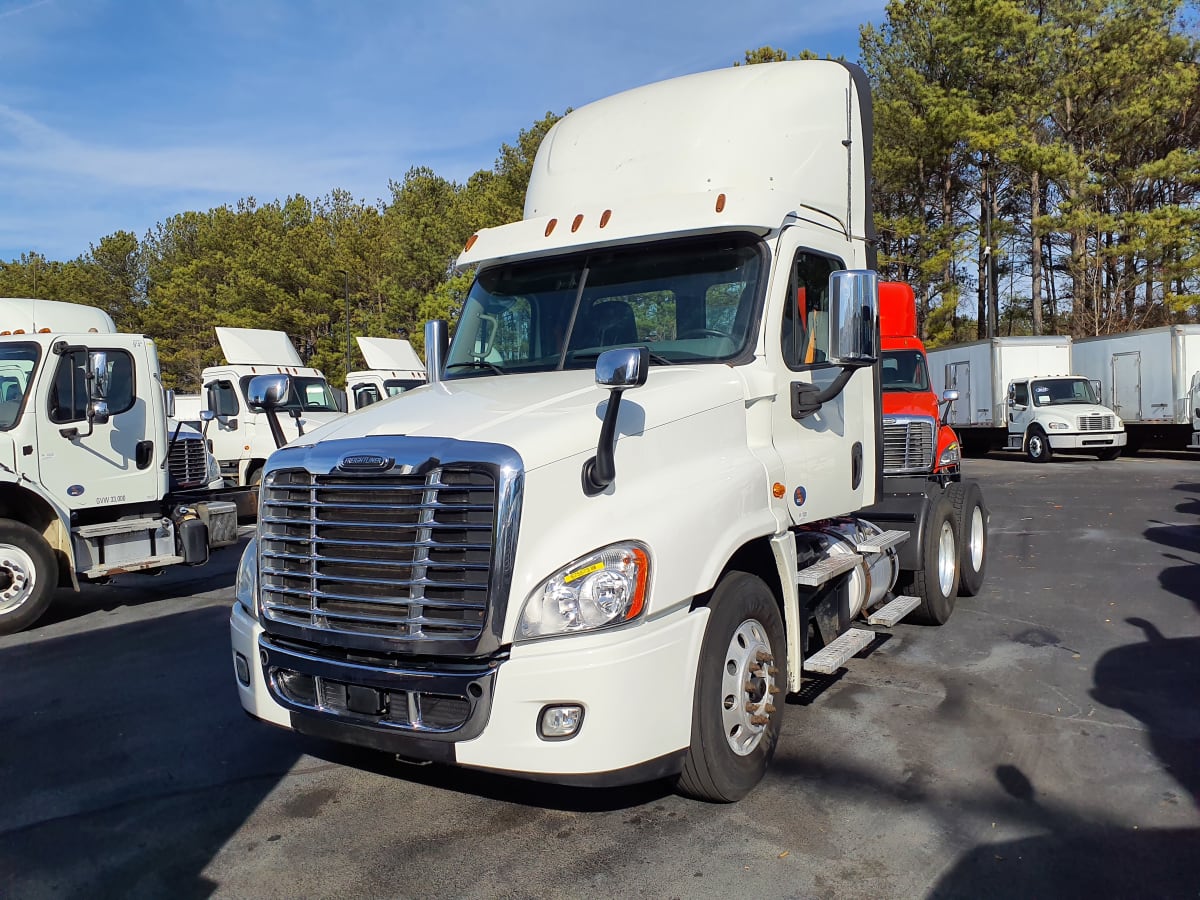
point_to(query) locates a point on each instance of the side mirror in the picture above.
(437, 343)
(97, 375)
(207, 415)
(623, 368)
(169, 403)
(97, 412)
(618, 370)
(854, 318)
(1096, 389)
(949, 396)
(268, 392)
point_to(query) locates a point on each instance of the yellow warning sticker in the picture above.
(586, 570)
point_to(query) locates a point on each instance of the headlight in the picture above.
(246, 586)
(214, 467)
(1057, 426)
(604, 588)
(950, 456)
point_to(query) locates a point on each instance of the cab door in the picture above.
(830, 457)
(87, 463)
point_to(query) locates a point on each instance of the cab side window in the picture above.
(1021, 393)
(69, 392)
(365, 395)
(805, 335)
(222, 398)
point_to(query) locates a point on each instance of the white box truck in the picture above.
(95, 481)
(1151, 379)
(1019, 393)
(393, 368)
(644, 468)
(242, 436)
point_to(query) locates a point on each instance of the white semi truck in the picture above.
(628, 514)
(1151, 379)
(1020, 393)
(393, 368)
(95, 481)
(242, 437)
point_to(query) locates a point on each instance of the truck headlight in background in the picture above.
(951, 456)
(214, 468)
(246, 586)
(1057, 426)
(604, 588)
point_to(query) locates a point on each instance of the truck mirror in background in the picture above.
(437, 342)
(266, 393)
(97, 375)
(1012, 395)
(854, 318)
(169, 403)
(207, 415)
(1096, 389)
(949, 396)
(97, 412)
(618, 370)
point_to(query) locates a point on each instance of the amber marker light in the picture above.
(604, 217)
(578, 221)
(778, 490)
(720, 203)
(471, 241)
(550, 226)
(639, 589)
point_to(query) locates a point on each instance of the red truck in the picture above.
(921, 455)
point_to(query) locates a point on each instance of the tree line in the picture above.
(1035, 171)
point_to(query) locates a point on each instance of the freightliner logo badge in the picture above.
(365, 461)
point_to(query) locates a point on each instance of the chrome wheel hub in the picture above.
(748, 687)
(976, 544)
(18, 577)
(945, 559)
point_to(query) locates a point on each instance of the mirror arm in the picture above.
(808, 398)
(295, 414)
(171, 444)
(276, 429)
(601, 470)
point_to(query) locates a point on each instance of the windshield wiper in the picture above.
(662, 360)
(476, 364)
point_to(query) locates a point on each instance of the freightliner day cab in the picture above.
(622, 520)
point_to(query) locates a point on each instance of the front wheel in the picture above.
(735, 719)
(971, 517)
(28, 576)
(936, 584)
(1037, 446)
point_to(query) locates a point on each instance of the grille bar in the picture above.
(1096, 423)
(187, 463)
(908, 445)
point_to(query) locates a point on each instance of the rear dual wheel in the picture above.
(971, 516)
(936, 582)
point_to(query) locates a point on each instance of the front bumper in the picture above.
(635, 684)
(1086, 441)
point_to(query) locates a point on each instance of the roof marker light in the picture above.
(578, 221)
(550, 226)
(471, 241)
(720, 203)
(604, 217)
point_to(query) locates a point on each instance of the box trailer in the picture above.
(1151, 379)
(1019, 393)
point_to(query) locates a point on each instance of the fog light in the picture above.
(242, 669)
(560, 722)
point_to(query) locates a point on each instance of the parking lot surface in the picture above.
(1043, 743)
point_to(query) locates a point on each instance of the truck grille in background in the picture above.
(399, 556)
(187, 463)
(908, 446)
(1095, 423)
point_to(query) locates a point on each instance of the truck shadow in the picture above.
(1182, 580)
(1157, 682)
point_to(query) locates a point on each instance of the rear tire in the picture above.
(1037, 446)
(971, 517)
(936, 584)
(736, 721)
(28, 576)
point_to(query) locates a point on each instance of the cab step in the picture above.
(833, 655)
(825, 570)
(882, 542)
(121, 526)
(891, 613)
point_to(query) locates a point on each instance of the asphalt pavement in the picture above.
(1043, 743)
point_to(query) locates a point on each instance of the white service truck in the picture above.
(630, 511)
(1020, 393)
(393, 368)
(95, 480)
(241, 436)
(1151, 379)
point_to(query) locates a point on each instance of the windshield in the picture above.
(904, 370)
(688, 301)
(1055, 391)
(16, 365)
(309, 394)
(395, 386)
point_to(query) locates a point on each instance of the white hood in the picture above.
(544, 417)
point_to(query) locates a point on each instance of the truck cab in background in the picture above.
(240, 435)
(91, 483)
(393, 368)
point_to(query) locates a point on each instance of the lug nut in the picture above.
(763, 656)
(772, 689)
(759, 720)
(769, 708)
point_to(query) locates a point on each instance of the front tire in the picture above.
(936, 584)
(736, 722)
(1037, 446)
(971, 518)
(28, 576)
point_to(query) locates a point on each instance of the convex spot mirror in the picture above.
(623, 368)
(853, 318)
(268, 392)
(97, 412)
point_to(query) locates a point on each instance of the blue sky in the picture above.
(115, 114)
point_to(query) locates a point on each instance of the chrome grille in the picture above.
(1095, 423)
(187, 463)
(387, 555)
(908, 445)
